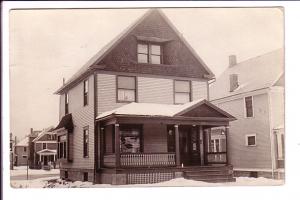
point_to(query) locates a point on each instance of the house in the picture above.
(21, 152)
(253, 91)
(43, 151)
(137, 112)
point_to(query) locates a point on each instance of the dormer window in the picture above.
(149, 53)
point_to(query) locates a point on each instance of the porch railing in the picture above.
(147, 159)
(217, 157)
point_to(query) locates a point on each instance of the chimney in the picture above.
(232, 60)
(64, 81)
(234, 82)
(31, 131)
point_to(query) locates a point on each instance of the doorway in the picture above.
(189, 145)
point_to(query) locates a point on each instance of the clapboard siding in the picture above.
(199, 90)
(277, 107)
(149, 90)
(242, 156)
(155, 138)
(83, 116)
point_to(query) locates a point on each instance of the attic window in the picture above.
(149, 53)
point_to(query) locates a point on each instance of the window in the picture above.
(62, 146)
(250, 140)
(85, 142)
(24, 156)
(66, 103)
(10, 146)
(44, 145)
(130, 140)
(149, 53)
(126, 88)
(249, 106)
(25, 149)
(182, 93)
(171, 139)
(85, 92)
(217, 145)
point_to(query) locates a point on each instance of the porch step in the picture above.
(213, 174)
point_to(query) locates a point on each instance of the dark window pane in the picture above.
(251, 140)
(249, 106)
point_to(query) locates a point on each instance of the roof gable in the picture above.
(118, 55)
(43, 134)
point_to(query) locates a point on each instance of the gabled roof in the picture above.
(44, 132)
(162, 110)
(91, 65)
(23, 142)
(254, 74)
(47, 152)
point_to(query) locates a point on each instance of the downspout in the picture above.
(271, 133)
(207, 86)
(95, 128)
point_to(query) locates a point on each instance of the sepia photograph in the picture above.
(147, 97)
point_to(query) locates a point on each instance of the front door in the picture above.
(189, 146)
(45, 160)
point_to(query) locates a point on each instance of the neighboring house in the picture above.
(11, 150)
(44, 149)
(137, 111)
(253, 91)
(21, 152)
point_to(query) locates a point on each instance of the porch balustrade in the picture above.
(216, 157)
(142, 159)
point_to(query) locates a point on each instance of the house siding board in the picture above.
(177, 59)
(83, 116)
(155, 138)
(149, 90)
(242, 156)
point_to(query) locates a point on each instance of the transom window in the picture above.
(130, 140)
(182, 91)
(126, 88)
(149, 53)
(249, 106)
(85, 92)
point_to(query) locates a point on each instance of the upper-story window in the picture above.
(149, 53)
(249, 106)
(25, 149)
(182, 91)
(44, 145)
(126, 88)
(85, 92)
(66, 103)
(85, 142)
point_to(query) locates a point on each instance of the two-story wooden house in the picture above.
(253, 91)
(137, 111)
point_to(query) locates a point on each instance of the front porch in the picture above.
(165, 145)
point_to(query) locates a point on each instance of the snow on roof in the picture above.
(23, 142)
(44, 131)
(281, 126)
(149, 109)
(253, 74)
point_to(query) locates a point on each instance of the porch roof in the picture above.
(47, 152)
(192, 111)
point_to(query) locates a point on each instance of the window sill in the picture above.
(251, 145)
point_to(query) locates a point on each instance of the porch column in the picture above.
(177, 145)
(227, 153)
(117, 145)
(201, 145)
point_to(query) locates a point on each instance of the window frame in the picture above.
(85, 93)
(117, 89)
(174, 91)
(85, 149)
(67, 100)
(252, 107)
(149, 52)
(247, 139)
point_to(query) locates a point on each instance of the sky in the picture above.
(48, 45)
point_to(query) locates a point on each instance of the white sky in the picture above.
(47, 45)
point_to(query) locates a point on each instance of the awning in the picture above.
(66, 122)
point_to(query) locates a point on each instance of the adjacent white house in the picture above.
(253, 92)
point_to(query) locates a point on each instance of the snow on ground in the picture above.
(56, 182)
(22, 170)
